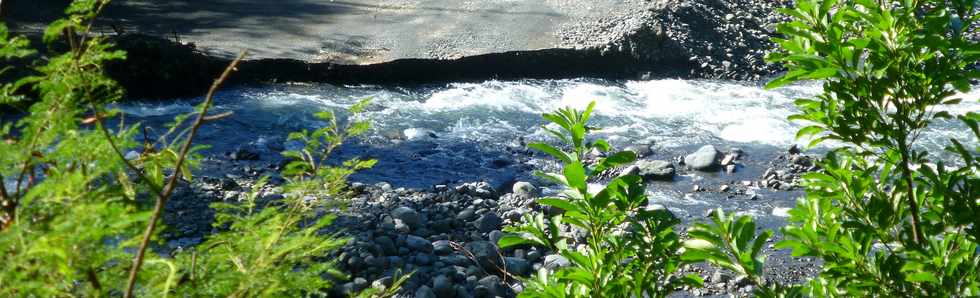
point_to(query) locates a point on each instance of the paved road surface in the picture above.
(362, 31)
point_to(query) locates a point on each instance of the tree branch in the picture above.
(172, 183)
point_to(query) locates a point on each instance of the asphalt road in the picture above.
(360, 31)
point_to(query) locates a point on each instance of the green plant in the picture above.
(308, 171)
(68, 213)
(885, 217)
(630, 249)
(274, 250)
(74, 205)
(731, 243)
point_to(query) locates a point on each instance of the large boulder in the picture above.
(705, 159)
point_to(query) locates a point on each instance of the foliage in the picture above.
(73, 207)
(886, 218)
(731, 243)
(308, 171)
(630, 248)
(66, 213)
(272, 250)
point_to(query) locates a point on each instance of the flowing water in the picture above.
(464, 132)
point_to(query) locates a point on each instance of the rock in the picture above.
(729, 159)
(525, 190)
(488, 222)
(737, 152)
(424, 292)
(730, 169)
(229, 184)
(655, 170)
(443, 287)
(231, 195)
(533, 256)
(418, 243)
(517, 266)
(553, 262)
(724, 188)
(720, 277)
(630, 170)
(413, 134)
(408, 216)
(495, 236)
(360, 283)
(442, 247)
(493, 284)
(466, 214)
(705, 159)
(244, 154)
(400, 226)
(794, 149)
(387, 245)
(641, 151)
(487, 254)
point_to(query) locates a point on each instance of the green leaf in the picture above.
(560, 203)
(509, 240)
(575, 175)
(554, 152)
(922, 277)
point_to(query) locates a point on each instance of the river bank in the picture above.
(176, 53)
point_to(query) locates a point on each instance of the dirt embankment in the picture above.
(177, 47)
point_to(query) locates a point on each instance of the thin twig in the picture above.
(105, 132)
(172, 183)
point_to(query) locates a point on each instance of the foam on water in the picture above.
(676, 115)
(673, 113)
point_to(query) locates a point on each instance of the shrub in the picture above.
(630, 249)
(73, 206)
(886, 218)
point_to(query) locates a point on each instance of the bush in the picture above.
(74, 208)
(630, 249)
(885, 217)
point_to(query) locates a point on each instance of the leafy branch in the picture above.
(168, 189)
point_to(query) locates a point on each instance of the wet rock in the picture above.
(418, 243)
(443, 287)
(488, 222)
(728, 160)
(705, 159)
(793, 150)
(442, 247)
(387, 245)
(424, 292)
(487, 254)
(244, 154)
(553, 262)
(495, 236)
(415, 134)
(466, 215)
(660, 170)
(525, 190)
(494, 285)
(517, 266)
(408, 216)
(641, 151)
